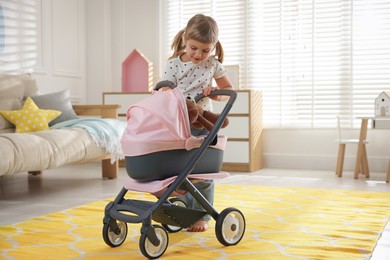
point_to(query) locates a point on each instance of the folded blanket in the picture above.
(106, 132)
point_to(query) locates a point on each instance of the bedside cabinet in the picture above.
(243, 151)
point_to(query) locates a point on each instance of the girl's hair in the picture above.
(200, 28)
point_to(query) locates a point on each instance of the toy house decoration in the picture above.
(137, 73)
(382, 104)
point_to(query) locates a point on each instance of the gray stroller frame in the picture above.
(172, 213)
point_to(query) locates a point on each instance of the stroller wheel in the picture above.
(230, 227)
(116, 237)
(180, 203)
(154, 250)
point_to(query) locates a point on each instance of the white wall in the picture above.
(114, 29)
(98, 50)
(316, 149)
(61, 61)
(83, 44)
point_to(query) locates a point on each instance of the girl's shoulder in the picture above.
(173, 60)
(213, 60)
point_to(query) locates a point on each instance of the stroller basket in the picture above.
(158, 146)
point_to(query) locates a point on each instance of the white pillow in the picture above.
(10, 99)
(29, 84)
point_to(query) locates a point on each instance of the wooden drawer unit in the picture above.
(243, 152)
(244, 149)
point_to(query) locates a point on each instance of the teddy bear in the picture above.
(200, 118)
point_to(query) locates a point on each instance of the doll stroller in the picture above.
(162, 157)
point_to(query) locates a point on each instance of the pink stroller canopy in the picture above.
(157, 123)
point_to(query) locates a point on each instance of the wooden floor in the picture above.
(23, 196)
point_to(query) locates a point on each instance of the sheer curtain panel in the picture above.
(312, 60)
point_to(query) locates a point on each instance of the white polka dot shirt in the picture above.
(192, 78)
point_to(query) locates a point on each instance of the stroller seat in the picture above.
(158, 187)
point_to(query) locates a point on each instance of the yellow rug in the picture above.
(281, 223)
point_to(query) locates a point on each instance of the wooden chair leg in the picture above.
(340, 160)
(358, 163)
(365, 169)
(388, 172)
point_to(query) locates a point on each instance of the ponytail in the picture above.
(219, 51)
(177, 44)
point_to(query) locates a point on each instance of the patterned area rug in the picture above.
(281, 223)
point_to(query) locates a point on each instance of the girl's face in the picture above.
(197, 51)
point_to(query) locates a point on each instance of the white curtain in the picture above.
(312, 60)
(18, 35)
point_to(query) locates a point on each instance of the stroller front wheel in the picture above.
(230, 227)
(116, 237)
(154, 250)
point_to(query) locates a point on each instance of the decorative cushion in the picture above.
(29, 84)
(13, 89)
(10, 99)
(9, 81)
(30, 118)
(8, 104)
(57, 101)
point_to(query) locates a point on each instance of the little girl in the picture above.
(195, 62)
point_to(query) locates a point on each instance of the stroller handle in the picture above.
(164, 83)
(220, 92)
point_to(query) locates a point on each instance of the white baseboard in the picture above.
(326, 163)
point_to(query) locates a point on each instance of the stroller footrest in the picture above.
(136, 210)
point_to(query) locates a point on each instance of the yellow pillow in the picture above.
(30, 118)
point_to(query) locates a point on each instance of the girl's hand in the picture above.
(208, 90)
(165, 88)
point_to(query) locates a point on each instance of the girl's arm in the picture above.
(222, 83)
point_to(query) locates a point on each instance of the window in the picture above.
(312, 60)
(18, 35)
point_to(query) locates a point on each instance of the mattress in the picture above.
(45, 149)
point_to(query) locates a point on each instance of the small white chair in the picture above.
(342, 145)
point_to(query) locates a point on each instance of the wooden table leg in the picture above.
(361, 163)
(340, 160)
(365, 169)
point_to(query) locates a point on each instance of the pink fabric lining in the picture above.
(159, 123)
(160, 185)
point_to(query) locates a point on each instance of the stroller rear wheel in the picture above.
(116, 237)
(230, 227)
(154, 250)
(180, 203)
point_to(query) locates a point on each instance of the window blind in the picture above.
(312, 60)
(18, 35)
